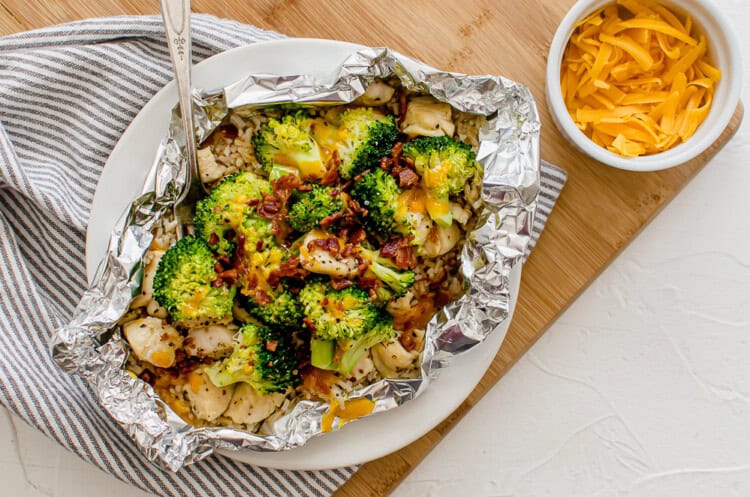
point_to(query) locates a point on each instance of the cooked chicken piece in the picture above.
(441, 240)
(460, 214)
(207, 401)
(391, 358)
(209, 169)
(426, 116)
(378, 93)
(249, 407)
(319, 260)
(153, 341)
(214, 341)
(151, 261)
(363, 367)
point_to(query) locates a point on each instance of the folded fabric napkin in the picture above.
(66, 95)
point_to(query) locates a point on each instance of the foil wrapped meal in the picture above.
(92, 347)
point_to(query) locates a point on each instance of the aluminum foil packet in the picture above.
(91, 344)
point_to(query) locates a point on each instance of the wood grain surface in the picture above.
(600, 211)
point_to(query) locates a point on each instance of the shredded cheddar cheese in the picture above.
(348, 410)
(635, 78)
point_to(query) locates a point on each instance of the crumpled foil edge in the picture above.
(91, 346)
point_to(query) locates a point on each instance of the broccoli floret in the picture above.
(284, 309)
(445, 166)
(345, 325)
(183, 284)
(378, 192)
(263, 357)
(313, 206)
(367, 138)
(289, 143)
(220, 216)
(384, 270)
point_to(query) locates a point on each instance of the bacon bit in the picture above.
(261, 297)
(271, 345)
(402, 254)
(407, 178)
(229, 235)
(409, 162)
(348, 250)
(252, 281)
(217, 283)
(218, 267)
(309, 323)
(417, 317)
(386, 163)
(286, 184)
(354, 206)
(390, 248)
(213, 239)
(362, 268)
(335, 192)
(406, 258)
(340, 283)
(269, 206)
(224, 260)
(331, 177)
(396, 151)
(361, 175)
(259, 245)
(330, 245)
(240, 253)
(408, 340)
(402, 104)
(164, 337)
(366, 283)
(229, 276)
(253, 202)
(324, 301)
(357, 236)
(327, 221)
(287, 269)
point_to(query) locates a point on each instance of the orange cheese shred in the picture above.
(635, 77)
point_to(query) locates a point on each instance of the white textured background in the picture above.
(641, 389)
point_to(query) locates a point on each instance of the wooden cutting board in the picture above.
(600, 211)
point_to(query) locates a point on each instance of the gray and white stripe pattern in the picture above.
(66, 95)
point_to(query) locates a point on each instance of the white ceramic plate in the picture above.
(121, 181)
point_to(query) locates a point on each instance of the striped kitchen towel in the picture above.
(66, 95)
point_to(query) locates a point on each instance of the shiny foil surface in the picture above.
(92, 347)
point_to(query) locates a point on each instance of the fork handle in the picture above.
(176, 15)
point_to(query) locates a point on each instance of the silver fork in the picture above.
(176, 15)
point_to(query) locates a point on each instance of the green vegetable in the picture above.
(378, 192)
(289, 143)
(445, 166)
(183, 284)
(313, 206)
(284, 310)
(263, 357)
(384, 270)
(367, 139)
(345, 325)
(223, 214)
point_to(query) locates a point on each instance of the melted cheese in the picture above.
(349, 410)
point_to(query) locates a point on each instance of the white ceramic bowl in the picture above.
(724, 52)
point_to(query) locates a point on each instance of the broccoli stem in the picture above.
(322, 352)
